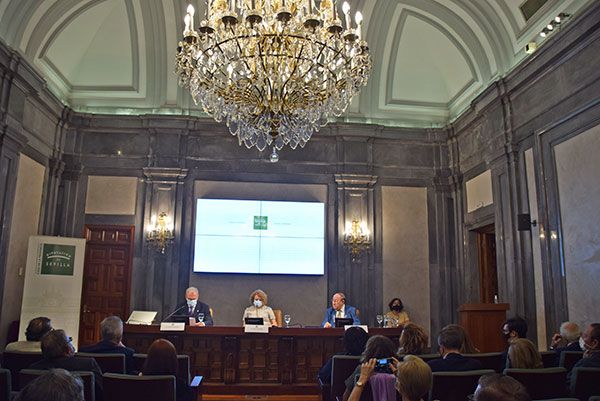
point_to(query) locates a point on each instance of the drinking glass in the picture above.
(379, 320)
(287, 319)
(201, 317)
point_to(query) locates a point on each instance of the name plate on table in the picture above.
(256, 328)
(172, 326)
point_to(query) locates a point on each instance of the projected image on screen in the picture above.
(260, 237)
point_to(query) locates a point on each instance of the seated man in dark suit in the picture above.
(566, 340)
(193, 308)
(450, 341)
(339, 309)
(590, 343)
(58, 352)
(111, 330)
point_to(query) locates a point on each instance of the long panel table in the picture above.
(284, 361)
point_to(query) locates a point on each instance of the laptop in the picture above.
(343, 321)
(141, 317)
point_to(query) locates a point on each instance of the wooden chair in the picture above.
(278, 317)
(89, 384)
(183, 365)
(455, 386)
(568, 359)
(342, 366)
(585, 383)
(109, 363)
(119, 387)
(15, 361)
(5, 384)
(489, 360)
(548, 359)
(541, 384)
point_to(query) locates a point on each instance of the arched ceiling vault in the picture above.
(431, 57)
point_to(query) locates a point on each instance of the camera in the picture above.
(383, 365)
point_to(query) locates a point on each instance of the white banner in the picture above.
(53, 282)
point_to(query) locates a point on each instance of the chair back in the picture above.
(119, 387)
(429, 357)
(5, 385)
(109, 363)
(548, 359)
(183, 365)
(15, 361)
(26, 376)
(541, 384)
(278, 317)
(489, 360)
(568, 359)
(585, 382)
(455, 386)
(342, 367)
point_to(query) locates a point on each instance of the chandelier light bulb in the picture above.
(543, 34)
(190, 10)
(550, 27)
(557, 19)
(186, 30)
(359, 19)
(346, 10)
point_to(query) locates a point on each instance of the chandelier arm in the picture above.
(291, 74)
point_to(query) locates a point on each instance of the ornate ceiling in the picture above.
(431, 57)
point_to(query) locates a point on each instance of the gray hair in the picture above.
(111, 329)
(56, 385)
(192, 289)
(570, 331)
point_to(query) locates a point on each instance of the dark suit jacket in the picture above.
(201, 307)
(349, 312)
(592, 361)
(107, 347)
(72, 364)
(454, 363)
(574, 346)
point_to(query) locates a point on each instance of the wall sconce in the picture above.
(160, 232)
(356, 239)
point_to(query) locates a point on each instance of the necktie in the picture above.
(190, 311)
(339, 314)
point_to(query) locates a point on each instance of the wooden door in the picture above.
(488, 274)
(106, 278)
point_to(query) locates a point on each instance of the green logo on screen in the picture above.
(57, 259)
(261, 222)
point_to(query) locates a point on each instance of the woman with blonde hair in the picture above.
(413, 340)
(259, 308)
(522, 354)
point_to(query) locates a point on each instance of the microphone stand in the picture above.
(174, 312)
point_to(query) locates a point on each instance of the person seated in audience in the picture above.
(193, 308)
(355, 339)
(413, 340)
(56, 385)
(162, 360)
(339, 309)
(450, 340)
(567, 339)
(467, 346)
(513, 328)
(111, 330)
(378, 347)
(590, 344)
(413, 379)
(33, 334)
(397, 316)
(522, 354)
(58, 352)
(259, 308)
(497, 387)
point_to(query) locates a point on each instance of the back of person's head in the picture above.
(161, 359)
(355, 339)
(522, 354)
(413, 378)
(111, 329)
(55, 385)
(518, 325)
(595, 333)
(413, 339)
(378, 347)
(570, 331)
(37, 328)
(56, 344)
(466, 346)
(450, 338)
(496, 387)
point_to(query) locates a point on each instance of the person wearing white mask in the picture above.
(259, 308)
(197, 311)
(590, 344)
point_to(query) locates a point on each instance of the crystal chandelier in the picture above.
(274, 70)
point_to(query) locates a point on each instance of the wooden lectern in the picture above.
(483, 322)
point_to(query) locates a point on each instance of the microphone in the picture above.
(174, 312)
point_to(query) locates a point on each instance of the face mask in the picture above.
(257, 303)
(191, 303)
(582, 344)
(396, 308)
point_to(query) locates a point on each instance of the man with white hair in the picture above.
(566, 340)
(111, 330)
(198, 312)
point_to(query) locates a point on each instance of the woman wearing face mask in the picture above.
(259, 308)
(396, 316)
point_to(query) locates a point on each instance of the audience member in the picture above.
(467, 346)
(397, 316)
(513, 328)
(33, 334)
(450, 340)
(413, 340)
(566, 340)
(162, 360)
(259, 308)
(58, 352)
(496, 387)
(590, 343)
(111, 330)
(378, 347)
(522, 354)
(355, 339)
(56, 385)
